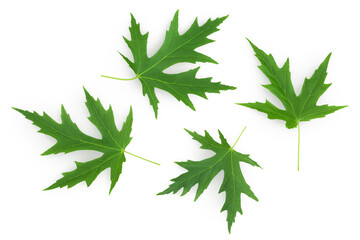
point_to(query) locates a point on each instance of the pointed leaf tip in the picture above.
(188, 131)
(327, 59)
(111, 188)
(132, 17)
(87, 94)
(225, 17)
(19, 110)
(49, 187)
(229, 227)
(249, 41)
(254, 47)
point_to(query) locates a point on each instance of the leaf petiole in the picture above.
(122, 79)
(141, 158)
(238, 138)
(298, 155)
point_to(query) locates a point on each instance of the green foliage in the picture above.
(203, 172)
(70, 138)
(175, 49)
(297, 108)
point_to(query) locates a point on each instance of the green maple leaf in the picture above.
(175, 49)
(297, 108)
(70, 138)
(203, 172)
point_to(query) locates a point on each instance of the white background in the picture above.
(50, 49)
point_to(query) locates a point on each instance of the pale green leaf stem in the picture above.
(238, 138)
(298, 153)
(122, 79)
(141, 158)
